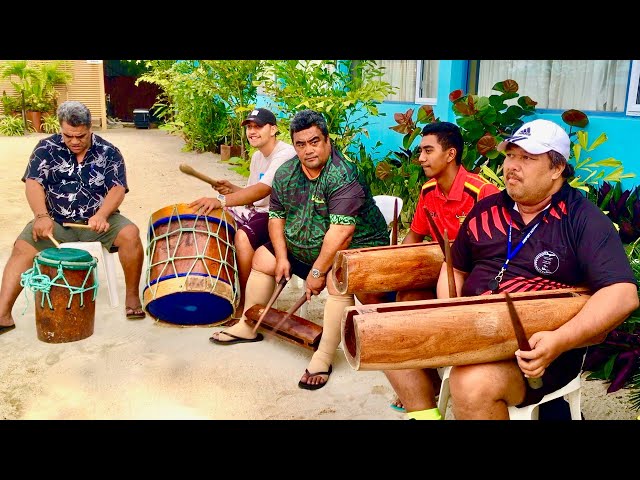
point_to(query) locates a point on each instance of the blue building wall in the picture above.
(623, 131)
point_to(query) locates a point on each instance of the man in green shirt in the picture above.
(319, 205)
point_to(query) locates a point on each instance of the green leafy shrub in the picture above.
(50, 124)
(12, 126)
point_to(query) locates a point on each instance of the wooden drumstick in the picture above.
(76, 225)
(447, 258)
(294, 308)
(55, 242)
(394, 224)
(189, 170)
(274, 296)
(521, 337)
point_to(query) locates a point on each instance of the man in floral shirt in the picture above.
(77, 177)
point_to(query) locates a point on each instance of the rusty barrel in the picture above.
(65, 284)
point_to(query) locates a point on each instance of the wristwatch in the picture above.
(222, 199)
(315, 273)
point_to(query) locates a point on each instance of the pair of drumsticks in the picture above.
(66, 224)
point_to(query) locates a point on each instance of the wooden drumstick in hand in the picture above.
(189, 170)
(55, 242)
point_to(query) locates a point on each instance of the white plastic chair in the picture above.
(386, 204)
(571, 392)
(106, 263)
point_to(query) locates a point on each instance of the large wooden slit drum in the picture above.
(65, 284)
(454, 331)
(192, 275)
(388, 268)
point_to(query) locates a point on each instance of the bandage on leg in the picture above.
(260, 286)
(333, 310)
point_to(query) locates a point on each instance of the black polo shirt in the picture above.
(574, 244)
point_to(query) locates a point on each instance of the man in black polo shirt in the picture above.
(539, 233)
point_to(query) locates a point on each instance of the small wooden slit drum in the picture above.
(455, 331)
(294, 329)
(65, 284)
(192, 275)
(387, 269)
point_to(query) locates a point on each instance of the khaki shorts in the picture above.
(70, 234)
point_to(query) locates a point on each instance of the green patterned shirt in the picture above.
(337, 196)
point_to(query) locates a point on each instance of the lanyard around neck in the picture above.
(495, 283)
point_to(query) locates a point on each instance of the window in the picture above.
(416, 80)
(633, 100)
(589, 85)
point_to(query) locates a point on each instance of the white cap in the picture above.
(539, 136)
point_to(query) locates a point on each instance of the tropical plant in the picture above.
(186, 105)
(486, 121)
(617, 359)
(50, 123)
(12, 126)
(589, 173)
(346, 92)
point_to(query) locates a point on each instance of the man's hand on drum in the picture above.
(204, 205)
(42, 228)
(98, 223)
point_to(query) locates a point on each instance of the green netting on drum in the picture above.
(61, 259)
(192, 271)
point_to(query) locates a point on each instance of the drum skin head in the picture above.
(67, 256)
(190, 308)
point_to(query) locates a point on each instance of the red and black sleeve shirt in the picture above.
(449, 211)
(575, 244)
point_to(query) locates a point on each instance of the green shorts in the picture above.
(70, 234)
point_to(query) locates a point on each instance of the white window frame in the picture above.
(633, 100)
(418, 98)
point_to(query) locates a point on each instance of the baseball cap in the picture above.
(539, 136)
(261, 116)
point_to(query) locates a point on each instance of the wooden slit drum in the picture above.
(455, 331)
(387, 269)
(294, 329)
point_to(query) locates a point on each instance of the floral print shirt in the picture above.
(75, 191)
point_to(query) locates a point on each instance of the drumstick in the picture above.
(436, 233)
(447, 258)
(274, 296)
(394, 224)
(55, 242)
(521, 337)
(294, 308)
(189, 170)
(76, 225)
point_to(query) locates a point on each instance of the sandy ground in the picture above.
(147, 370)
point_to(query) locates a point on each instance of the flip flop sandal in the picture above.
(308, 386)
(236, 339)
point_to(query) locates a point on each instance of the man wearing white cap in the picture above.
(250, 205)
(539, 233)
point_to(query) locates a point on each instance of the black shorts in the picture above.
(257, 229)
(560, 372)
(298, 267)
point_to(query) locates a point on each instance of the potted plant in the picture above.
(36, 88)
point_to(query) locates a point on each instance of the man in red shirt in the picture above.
(447, 196)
